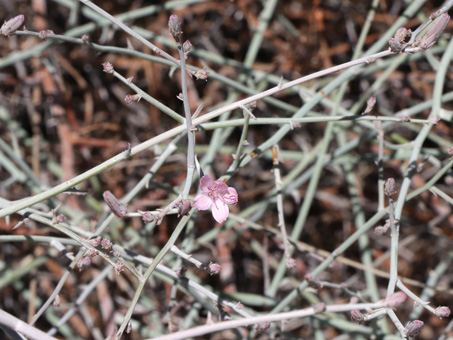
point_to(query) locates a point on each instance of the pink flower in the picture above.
(216, 194)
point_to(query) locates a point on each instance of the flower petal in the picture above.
(202, 202)
(220, 211)
(206, 183)
(231, 197)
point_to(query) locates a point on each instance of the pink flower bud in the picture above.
(262, 327)
(313, 282)
(43, 34)
(119, 267)
(436, 29)
(174, 26)
(181, 272)
(184, 207)
(84, 263)
(357, 316)
(56, 301)
(395, 299)
(85, 38)
(108, 68)
(95, 242)
(201, 74)
(10, 26)
(390, 187)
(214, 268)
(148, 217)
(395, 45)
(413, 328)
(402, 34)
(106, 243)
(381, 230)
(442, 312)
(369, 105)
(132, 98)
(117, 207)
(186, 48)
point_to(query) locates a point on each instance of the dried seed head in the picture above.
(12, 25)
(413, 328)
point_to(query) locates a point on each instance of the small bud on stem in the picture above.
(12, 25)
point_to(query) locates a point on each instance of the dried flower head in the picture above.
(216, 194)
(12, 25)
